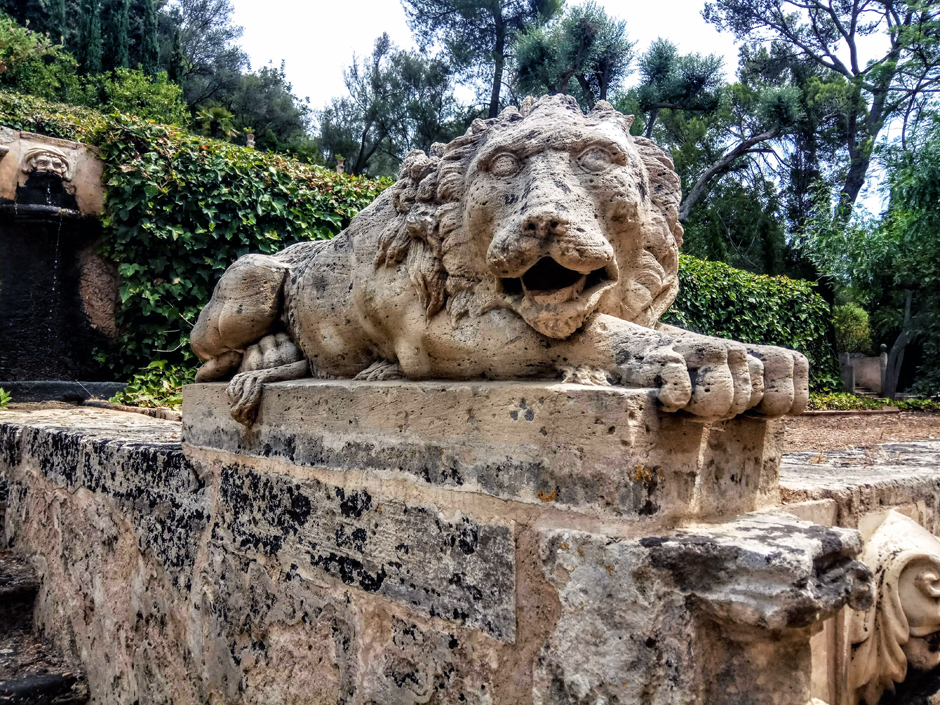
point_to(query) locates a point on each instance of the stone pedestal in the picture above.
(524, 542)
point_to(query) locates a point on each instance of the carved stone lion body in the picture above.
(542, 243)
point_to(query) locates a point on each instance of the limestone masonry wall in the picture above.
(183, 573)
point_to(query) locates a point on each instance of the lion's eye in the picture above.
(595, 159)
(504, 164)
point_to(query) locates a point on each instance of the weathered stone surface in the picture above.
(593, 449)
(709, 614)
(901, 628)
(267, 598)
(137, 462)
(455, 568)
(541, 244)
(866, 480)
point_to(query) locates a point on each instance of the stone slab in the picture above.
(57, 390)
(602, 450)
(867, 479)
(458, 569)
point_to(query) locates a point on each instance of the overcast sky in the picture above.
(317, 38)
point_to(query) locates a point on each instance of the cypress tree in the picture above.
(120, 34)
(58, 20)
(177, 59)
(151, 47)
(89, 40)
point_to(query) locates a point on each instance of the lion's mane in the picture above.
(429, 199)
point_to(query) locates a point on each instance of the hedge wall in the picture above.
(715, 299)
(180, 208)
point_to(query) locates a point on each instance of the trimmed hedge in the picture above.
(715, 299)
(180, 208)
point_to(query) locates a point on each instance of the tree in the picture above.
(150, 50)
(587, 45)
(265, 106)
(669, 80)
(477, 34)
(754, 117)
(120, 35)
(213, 61)
(835, 35)
(89, 55)
(177, 68)
(397, 101)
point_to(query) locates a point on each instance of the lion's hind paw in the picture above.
(380, 371)
(593, 376)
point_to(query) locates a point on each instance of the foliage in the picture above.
(477, 34)
(842, 401)
(715, 299)
(398, 101)
(213, 61)
(180, 208)
(586, 45)
(18, 44)
(132, 91)
(158, 385)
(90, 41)
(853, 334)
(5, 397)
(896, 83)
(673, 81)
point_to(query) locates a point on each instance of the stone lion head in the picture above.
(543, 210)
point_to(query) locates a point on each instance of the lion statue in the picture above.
(542, 243)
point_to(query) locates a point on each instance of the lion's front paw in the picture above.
(729, 378)
(784, 380)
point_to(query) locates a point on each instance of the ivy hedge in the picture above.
(715, 299)
(180, 208)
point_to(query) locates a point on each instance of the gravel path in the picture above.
(805, 433)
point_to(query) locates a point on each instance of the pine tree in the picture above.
(151, 48)
(177, 59)
(89, 49)
(120, 34)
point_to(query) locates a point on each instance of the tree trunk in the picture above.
(718, 168)
(500, 56)
(654, 113)
(896, 356)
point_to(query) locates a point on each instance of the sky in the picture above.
(320, 37)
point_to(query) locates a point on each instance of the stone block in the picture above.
(450, 567)
(601, 450)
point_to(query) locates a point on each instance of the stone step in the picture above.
(866, 392)
(31, 672)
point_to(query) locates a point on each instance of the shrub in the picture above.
(5, 397)
(852, 332)
(715, 299)
(180, 208)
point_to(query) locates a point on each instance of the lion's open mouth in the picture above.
(548, 282)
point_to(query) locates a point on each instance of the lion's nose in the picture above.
(545, 225)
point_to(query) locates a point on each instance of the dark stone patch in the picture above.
(460, 570)
(151, 479)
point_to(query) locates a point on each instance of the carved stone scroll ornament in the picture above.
(902, 627)
(49, 160)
